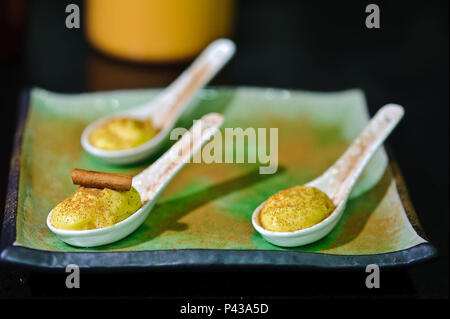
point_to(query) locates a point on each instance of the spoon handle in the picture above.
(340, 178)
(177, 96)
(152, 181)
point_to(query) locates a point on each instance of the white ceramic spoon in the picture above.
(338, 181)
(169, 104)
(149, 183)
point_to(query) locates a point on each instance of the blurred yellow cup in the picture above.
(157, 30)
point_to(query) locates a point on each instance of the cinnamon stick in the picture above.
(101, 180)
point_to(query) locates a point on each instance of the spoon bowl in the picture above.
(338, 181)
(102, 236)
(125, 156)
(169, 105)
(299, 237)
(150, 183)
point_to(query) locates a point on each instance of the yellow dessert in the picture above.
(122, 134)
(295, 208)
(91, 208)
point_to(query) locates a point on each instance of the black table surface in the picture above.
(310, 45)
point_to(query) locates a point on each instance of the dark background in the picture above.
(311, 45)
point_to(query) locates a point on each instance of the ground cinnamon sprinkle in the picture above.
(92, 208)
(295, 208)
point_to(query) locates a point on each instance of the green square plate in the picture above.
(203, 219)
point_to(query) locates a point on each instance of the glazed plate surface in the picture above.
(204, 217)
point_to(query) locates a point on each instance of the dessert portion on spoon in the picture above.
(103, 199)
(108, 207)
(122, 134)
(304, 214)
(295, 208)
(134, 134)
